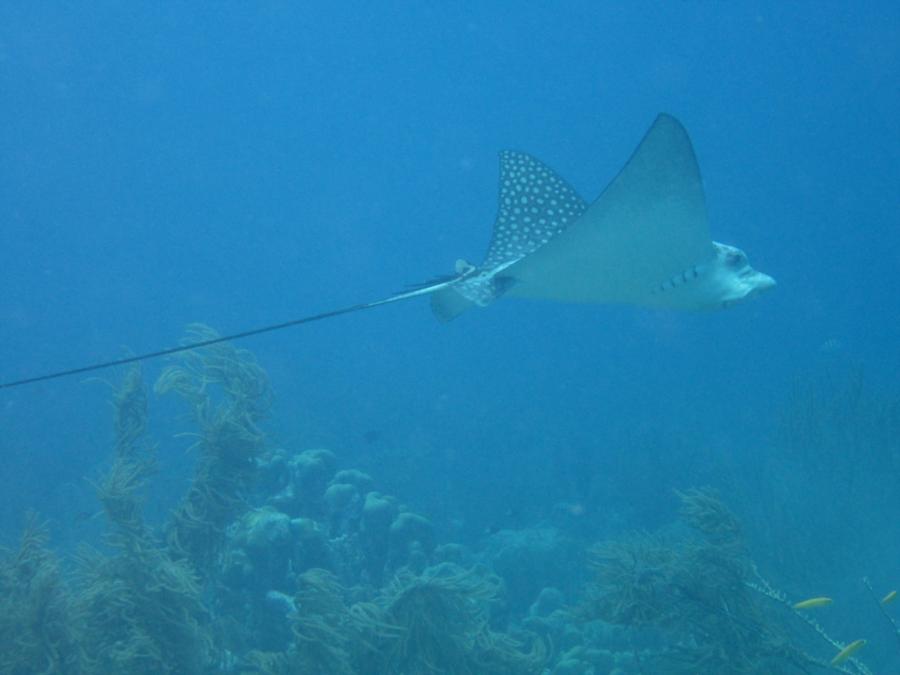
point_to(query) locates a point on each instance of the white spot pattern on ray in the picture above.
(535, 206)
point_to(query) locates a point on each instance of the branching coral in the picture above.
(329, 636)
(703, 510)
(133, 460)
(36, 629)
(130, 415)
(229, 394)
(242, 384)
(118, 492)
(502, 654)
(139, 611)
(265, 663)
(444, 621)
(633, 582)
(696, 592)
(435, 623)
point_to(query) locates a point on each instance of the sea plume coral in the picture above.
(228, 394)
(140, 612)
(443, 614)
(138, 609)
(696, 591)
(329, 636)
(36, 627)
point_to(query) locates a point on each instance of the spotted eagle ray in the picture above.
(644, 241)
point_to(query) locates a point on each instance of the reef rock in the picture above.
(308, 475)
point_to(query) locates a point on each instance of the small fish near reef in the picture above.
(813, 603)
(847, 652)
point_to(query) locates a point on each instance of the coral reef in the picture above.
(36, 619)
(278, 561)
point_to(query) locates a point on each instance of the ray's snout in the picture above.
(765, 282)
(734, 279)
(745, 285)
(758, 283)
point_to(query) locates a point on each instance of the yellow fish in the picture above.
(889, 598)
(812, 603)
(848, 651)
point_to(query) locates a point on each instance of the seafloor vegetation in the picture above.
(278, 562)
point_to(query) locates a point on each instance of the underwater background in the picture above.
(532, 488)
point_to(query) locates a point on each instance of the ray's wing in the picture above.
(534, 206)
(649, 224)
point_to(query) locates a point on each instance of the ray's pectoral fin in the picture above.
(644, 241)
(647, 226)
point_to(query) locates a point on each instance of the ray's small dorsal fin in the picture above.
(535, 205)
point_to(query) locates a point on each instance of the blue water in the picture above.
(250, 163)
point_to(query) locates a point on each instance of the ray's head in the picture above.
(735, 279)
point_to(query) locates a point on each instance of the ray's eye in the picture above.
(735, 259)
